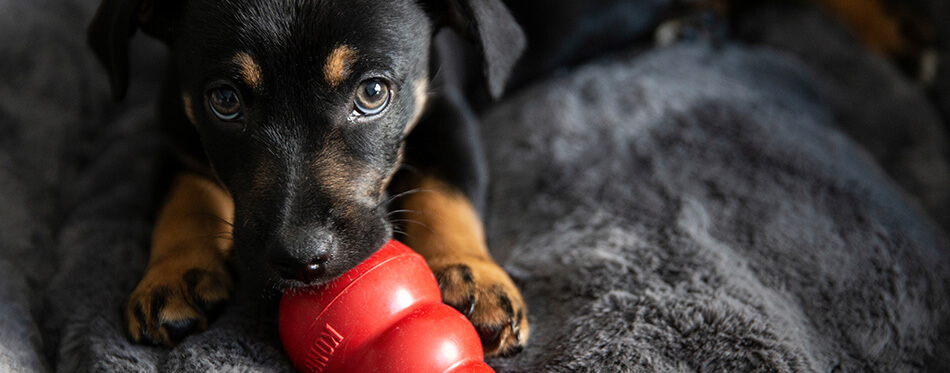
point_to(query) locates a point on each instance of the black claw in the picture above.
(147, 337)
(490, 336)
(516, 325)
(459, 275)
(178, 330)
(514, 350)
(471, 306)
(143, 334)
(467, 307)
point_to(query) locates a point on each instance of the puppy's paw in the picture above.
(482, 291)
(176, 299)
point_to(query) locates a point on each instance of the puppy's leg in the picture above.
(188, 276)
(440, 219)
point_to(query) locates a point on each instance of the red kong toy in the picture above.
(385, 315)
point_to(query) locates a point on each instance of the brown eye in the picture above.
(225, 103)
(372, 96)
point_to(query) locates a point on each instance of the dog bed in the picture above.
(699, 207)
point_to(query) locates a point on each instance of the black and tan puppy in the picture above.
(293, 119)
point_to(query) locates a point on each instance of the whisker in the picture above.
(412, 221)
(223, 220)
(389, 199)
(415, 171)
(403, 194)
(404, 234)
(394, 212)
(406, 221)
(220, 235)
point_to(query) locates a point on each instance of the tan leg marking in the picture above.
(338, 65)
(449, 234)
(188, 272)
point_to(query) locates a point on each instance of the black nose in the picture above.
(303, 271)
(301, 254)
(310, 272)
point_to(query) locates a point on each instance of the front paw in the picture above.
(176, 299)
(482, 291)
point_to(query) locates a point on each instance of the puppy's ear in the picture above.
(493, 29)
(112, 28)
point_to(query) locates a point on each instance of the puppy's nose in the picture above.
(301, 254)
(310, 272)
(303, 271)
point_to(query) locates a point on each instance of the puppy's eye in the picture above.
(372, 96)
(225, 103)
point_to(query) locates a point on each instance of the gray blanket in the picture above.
(691, 208)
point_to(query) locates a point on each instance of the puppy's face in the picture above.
(302, 107)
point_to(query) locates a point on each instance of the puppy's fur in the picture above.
(295, 185)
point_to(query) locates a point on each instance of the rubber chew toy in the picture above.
(385, 315)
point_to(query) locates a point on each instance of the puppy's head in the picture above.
(302, 107)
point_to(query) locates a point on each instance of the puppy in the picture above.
(307, 131)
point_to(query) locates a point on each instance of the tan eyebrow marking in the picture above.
(189, 109)
(250, 70)
(338, 64)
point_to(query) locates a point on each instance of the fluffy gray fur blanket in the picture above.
(690, 208)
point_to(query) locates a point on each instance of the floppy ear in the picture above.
(112, 28)
(494, 30)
